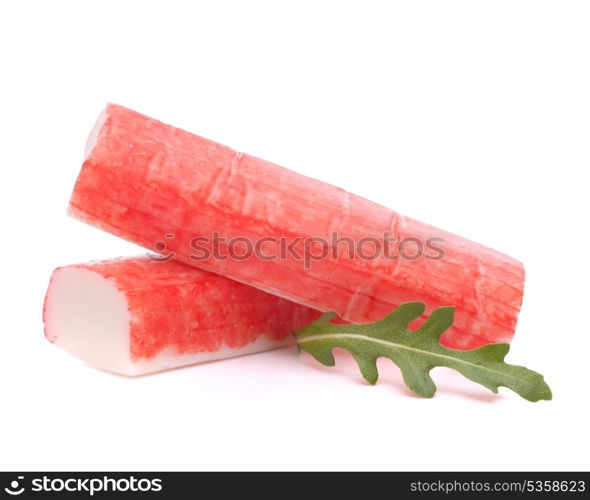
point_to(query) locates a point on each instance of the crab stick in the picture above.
(145, 181)
(134, 315)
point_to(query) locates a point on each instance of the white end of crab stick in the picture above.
(137, 316)
(87, 315)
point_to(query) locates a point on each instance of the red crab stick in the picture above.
(134, 315)
(144, 180)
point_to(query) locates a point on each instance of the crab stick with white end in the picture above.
(134, 315)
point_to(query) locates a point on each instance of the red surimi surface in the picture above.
(143, 180)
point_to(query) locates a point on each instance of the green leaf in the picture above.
(417, 352)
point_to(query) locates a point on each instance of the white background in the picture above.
(471, 115)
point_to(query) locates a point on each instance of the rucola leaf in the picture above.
(416, 352)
